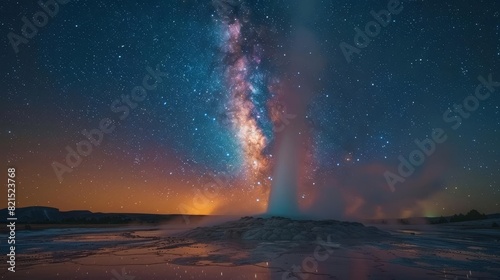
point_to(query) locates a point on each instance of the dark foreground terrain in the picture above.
(344, 251)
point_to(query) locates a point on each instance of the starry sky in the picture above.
(230, 84)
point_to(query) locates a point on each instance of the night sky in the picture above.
(230, 83)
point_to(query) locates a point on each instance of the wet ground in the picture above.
(136, 253)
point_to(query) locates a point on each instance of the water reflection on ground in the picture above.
(152, 253)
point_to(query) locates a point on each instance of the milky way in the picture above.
(242, 110)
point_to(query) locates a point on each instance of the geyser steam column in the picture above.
(305, 65)
(283, 196)
(290, 149)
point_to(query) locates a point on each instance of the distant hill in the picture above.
(46, 215)
(50, 215)
(472, 215)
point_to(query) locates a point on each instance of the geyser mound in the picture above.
(284, 229)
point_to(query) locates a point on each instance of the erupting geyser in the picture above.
(283, 195)
(243, 47)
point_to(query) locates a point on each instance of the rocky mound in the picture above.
(284, 229)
